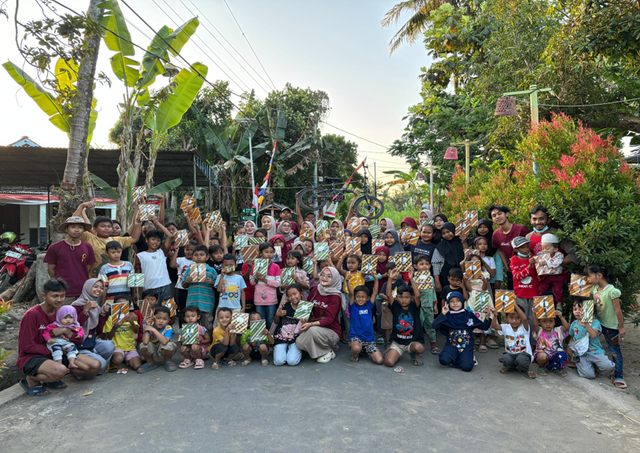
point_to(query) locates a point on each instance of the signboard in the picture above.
(249, 214)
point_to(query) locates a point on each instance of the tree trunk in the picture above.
(159, 139)
(73, 188)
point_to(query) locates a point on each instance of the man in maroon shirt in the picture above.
(540, 221)
(71, 258)
(503, 236)
(34, 358)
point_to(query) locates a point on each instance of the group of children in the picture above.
(391, 307)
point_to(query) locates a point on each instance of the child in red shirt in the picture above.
(525, 277)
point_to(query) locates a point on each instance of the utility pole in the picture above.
(467, 149)
(431, 183)
(375, 181)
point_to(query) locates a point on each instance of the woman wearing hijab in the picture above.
(250, 228)
(386, 224)
(408, 222)
(448, 255)
(321, 332)
(392, 241)
(425, 216)
(92, 318)
(335, 226)
(438, 221)
(485, 230)
(279, 241)
(284, 230)
(269, 224)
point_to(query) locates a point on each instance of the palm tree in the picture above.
(416, 25)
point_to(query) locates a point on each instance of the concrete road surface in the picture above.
(333, 407)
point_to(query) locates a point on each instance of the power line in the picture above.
(581, 105)
(350, 133)
(250, 46)
(227, 50)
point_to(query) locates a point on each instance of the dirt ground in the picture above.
(9, 342)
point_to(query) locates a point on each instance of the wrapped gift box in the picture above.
(337, 248)
(250, 253)
(304, 310)
(256, 241)
(138, 194)
(542, 267)
(239, 323)
(376, 243)
(190, 334)
(374, 230)
(411, 235)
(579, 286)
(505, 301)
(321, 251)
(241, 241)
(171, 305)
(473, 269)
(354, 225)
(543, 307)
(286, 275)
(369, 264)
(187, 202)
(119, 310)
(423, 279)
(480, 302)
(194, 215)
(587, 311)
(146, 308)
(402, 260)
(198, 272)
(146, 211)
(181, 238)
(467, 223)
(214, 220)
(135, 280)
(257, 327)
(260, 266)
(322, 225)
(352, 245)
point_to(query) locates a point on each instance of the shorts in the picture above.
(255, 353)
(164, 293)
(400, 348)
(386, 322)
(369, 347)
(32, 366)
(219, 348)
(128, 355)
(205, 351)
(155, 349)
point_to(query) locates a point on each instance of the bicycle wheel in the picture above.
(313, 198)
(369, 207)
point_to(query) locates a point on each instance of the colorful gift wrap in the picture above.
(467, 223)
(198, 272)
(239, 323)
(119, 310)
(256, 241)
(304, 310)
(241, 241)
(375, 244)
(587, 310)
(579, 286)
(194, 215)
(146, 308)
(337, 248)
(411, 235)
(481, 302)
(213, 219)
(321, 251)
(171, 305)
(286, 275)
(369, 264)
(505, 301)
(468, 252)
(542, 267)
(543, 307)
(374, 230)
(423, 279)
(257, 327)
(306, 234)
(354, 225)
(146, 211)
(138, 194)
(181, 238)
(250, 253)
(307, 265)
(187, 202)
(402, 260)
(190, 334)
(260, 266)
(352, 246)
(135, 280)
(322, 225)
(340, 235)
(473, 269)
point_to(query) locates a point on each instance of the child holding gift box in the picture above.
(516, 331)
(476, 288)
(231, 287)
(223, 344)
(585, 346)
(608, 312)
(457, 325)
(352, 278)
(550, 244)
(265, 297)
(361, 335)
(287, 329)
(201, 294)
(428, 303)
(123, 334)
(156, 342)
(114, 273)
(294, 261)
(255, 350)
(198, 350)
(525, 277)
(549, 354)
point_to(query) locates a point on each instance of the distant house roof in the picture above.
(24, 142)
(273, 207)
(44, 167)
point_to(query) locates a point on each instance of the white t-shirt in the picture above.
(515, 342)
(183, 265)
(489, 262)
(154, 267)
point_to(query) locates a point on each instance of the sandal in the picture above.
(475, 361)
(619, 383)
(186, 363)
(36, 390)
(571, 364)
(354, 358)
(170, 366)
(58, 385)
(122, 371)
(265, 362)
(418, 362)
(542, 371)
(562, 373)
(482, 348)
(215, 366)
(199, 364)
(435, 350)
(231, 363)
(491, 344)
(245, 362)
(529, 374)
(504, 370)
(146, 367)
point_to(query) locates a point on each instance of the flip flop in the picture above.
(265, 362)
(170, 366)
(245, 362)
(435, 350)
(146, 367)
(542, 371)
(418, 362)
(199, 364)
(482, 348)
(354, 358)
(36, 390)
(215, 366)
(380, 340)
(491, 344)
(58, 385)
(529, 374)
(186, 363)
(619, 383)
(562, 373)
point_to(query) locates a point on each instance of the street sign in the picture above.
(249, 214)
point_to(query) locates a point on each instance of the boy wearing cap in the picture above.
(285, 215)
(71, 258)
(550, 244)
(525, 277)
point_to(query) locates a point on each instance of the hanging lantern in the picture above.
(451, 153)
(506, 106)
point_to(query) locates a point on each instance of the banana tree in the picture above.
(160, 110)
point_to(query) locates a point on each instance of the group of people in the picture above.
(278, 280)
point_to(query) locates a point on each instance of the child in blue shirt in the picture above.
(361, 335)
(587, 353)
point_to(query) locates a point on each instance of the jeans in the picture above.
(520, 361)
(585, 365)
(267, 312)
(286, 353)
(612, 336)
(102, 353)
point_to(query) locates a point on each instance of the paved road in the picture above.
(339, 406)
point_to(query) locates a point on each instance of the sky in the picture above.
(335, 46)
